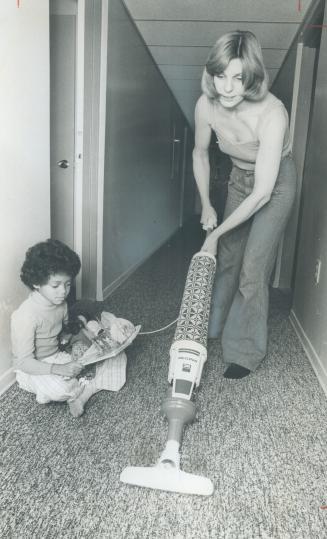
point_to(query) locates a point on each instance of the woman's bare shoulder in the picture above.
(270, 102)
(273, 119)
(203, 104)
(258, 112)
(203, 111)
(256, 108)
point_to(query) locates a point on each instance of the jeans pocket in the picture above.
(249, 181)
(242, 180)
(233, 177)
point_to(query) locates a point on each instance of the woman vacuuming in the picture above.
(252, 127)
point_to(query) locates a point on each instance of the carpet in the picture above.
(261, 440)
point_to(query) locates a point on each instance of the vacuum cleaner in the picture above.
(188, 354)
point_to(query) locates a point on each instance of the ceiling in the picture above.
(180, 33)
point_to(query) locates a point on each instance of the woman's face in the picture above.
(229, 84)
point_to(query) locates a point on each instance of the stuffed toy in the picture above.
(93, 334)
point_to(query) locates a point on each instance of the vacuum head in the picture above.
(167, 478)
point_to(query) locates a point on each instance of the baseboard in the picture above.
(7, 379)
(124, 276)
(311, 353)
(120, 280)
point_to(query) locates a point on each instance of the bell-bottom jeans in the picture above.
(245, 260)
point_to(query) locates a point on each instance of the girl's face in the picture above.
(229, 84)
(56, 289)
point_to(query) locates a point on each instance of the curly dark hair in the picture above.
(48, 258)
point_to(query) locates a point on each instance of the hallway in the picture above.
(261, 440)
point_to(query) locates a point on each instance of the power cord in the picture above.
(158, 330)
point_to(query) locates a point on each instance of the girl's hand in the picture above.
(208, 217)
(71, 369)
(210, 244)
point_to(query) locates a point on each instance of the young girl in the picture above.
(251, 126)
(48, 271)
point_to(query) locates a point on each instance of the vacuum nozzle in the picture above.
(164, 477)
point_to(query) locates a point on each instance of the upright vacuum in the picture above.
(188, 354)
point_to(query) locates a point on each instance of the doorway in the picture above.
(63, 22)
(66, 122)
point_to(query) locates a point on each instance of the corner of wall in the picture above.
(7, 379)
(310, 351)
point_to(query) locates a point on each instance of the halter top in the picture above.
(244, 154)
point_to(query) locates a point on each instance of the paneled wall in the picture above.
(143, 167)
(180, 33)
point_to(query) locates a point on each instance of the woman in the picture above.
(252, 127)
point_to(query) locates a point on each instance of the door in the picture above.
(63, 28)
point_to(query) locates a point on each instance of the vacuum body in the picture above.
(188, 354)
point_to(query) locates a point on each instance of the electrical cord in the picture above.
(208, 229)
(158, 330)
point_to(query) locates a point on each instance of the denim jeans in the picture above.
(245, 260)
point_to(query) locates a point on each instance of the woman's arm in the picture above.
(201, 166)
(266, 171)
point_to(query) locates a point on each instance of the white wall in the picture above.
(24, 143)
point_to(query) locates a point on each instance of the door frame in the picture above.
(89, 180)
(90, 177)
(301, 112)
(79, 139)
(101, 146)
(296, 86)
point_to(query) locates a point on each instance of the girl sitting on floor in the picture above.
(41, 368)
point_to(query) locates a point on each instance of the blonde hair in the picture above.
(245, 46)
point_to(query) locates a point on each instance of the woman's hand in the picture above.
(71, 369)
(208, 217)
(210, 244)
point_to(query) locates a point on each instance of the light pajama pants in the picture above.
(110, 375)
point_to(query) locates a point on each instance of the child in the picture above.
(41, 368)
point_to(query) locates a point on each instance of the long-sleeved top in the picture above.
(35, 327)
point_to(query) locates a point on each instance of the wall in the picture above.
(294, 85)
(309, 313)
(141, 200)
(24, 142)
(282, 87)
